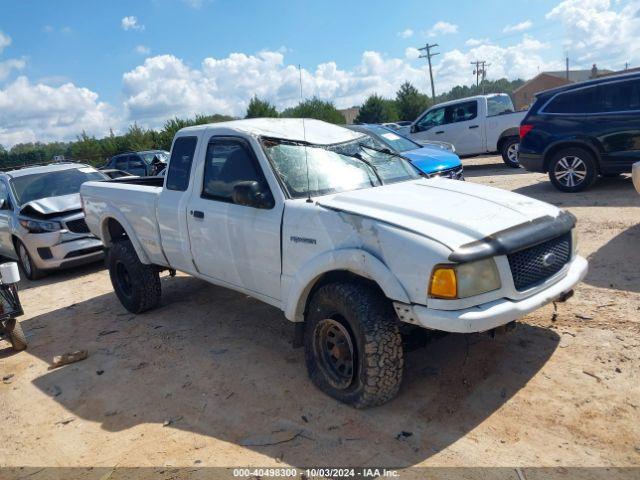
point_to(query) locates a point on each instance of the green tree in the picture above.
(315, 108)
(410, 102)
(260, 108)
(376, 109)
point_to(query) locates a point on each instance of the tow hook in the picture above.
(502, 329)
(564, 296)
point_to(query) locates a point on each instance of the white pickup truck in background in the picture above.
(350, 242)
(474, 125)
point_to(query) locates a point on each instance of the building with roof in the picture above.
(524, 95)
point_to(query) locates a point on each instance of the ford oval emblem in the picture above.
(549, 259)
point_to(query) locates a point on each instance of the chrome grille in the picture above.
(535, 264)
(77, 226)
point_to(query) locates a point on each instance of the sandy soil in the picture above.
(211, 379)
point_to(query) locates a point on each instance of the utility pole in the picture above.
(480, 70)
(567, 66)
(428, 56)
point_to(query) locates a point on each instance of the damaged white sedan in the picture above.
(41, 220)
(348, 240)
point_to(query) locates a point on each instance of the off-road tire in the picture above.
(16, 335)
(30, 271)
(142, 291)
(372, 323)
(585, 157)
(504, 151)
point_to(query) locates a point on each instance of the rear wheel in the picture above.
(137, 285)
(16, 334)
(509, 152)
(353, 348)
(30, 270)
(573, 170)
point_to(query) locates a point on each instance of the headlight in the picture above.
(574, 241)
(464, 280)
(40, 226)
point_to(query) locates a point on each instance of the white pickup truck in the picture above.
(350, 242)
(474, 125)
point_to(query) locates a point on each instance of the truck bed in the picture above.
(131, 202)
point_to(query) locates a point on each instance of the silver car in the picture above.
(41, 219)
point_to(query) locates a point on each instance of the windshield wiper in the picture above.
(386, 151)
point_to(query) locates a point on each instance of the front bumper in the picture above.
(52, 250)
(531, 161)
(492, 314)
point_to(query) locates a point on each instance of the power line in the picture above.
(428, 56)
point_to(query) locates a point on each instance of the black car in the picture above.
(581, 131)
(142, 164)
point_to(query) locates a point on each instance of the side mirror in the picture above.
(249, 194)
(414, 128)
(3, 203)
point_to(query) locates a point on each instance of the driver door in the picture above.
(237, 244)
(430, 126)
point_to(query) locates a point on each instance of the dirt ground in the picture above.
(211, 378)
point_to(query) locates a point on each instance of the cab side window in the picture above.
(180, 164)
(461, 112)
(229, 162)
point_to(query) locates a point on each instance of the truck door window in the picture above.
(180, 163)
(431, 119)
(461, 112)
(229, 162)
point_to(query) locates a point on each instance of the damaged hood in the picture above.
(52, 205)
(451, 212)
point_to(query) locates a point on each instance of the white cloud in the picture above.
(7, 66)
(5, 41)
(131, 23)
(143, 50)
(37, 112)
(442, 28)
(408, 33)
(518, 27)
(522, 60)
(474, 42)
(411, 53)
(597, 31)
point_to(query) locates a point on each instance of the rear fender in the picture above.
(105, 235)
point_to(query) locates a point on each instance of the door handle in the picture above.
(473, 126)
(439, 132)
(197, 214)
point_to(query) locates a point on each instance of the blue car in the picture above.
(437, 160)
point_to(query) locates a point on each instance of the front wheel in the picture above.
(30, 270)
(16, 334)
(509, 152)
(137, 285)
(353, 347)
(573, 170)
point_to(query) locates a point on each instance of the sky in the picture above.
(71, 65)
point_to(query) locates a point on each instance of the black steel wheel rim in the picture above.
(335, 352)
(124, 280)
